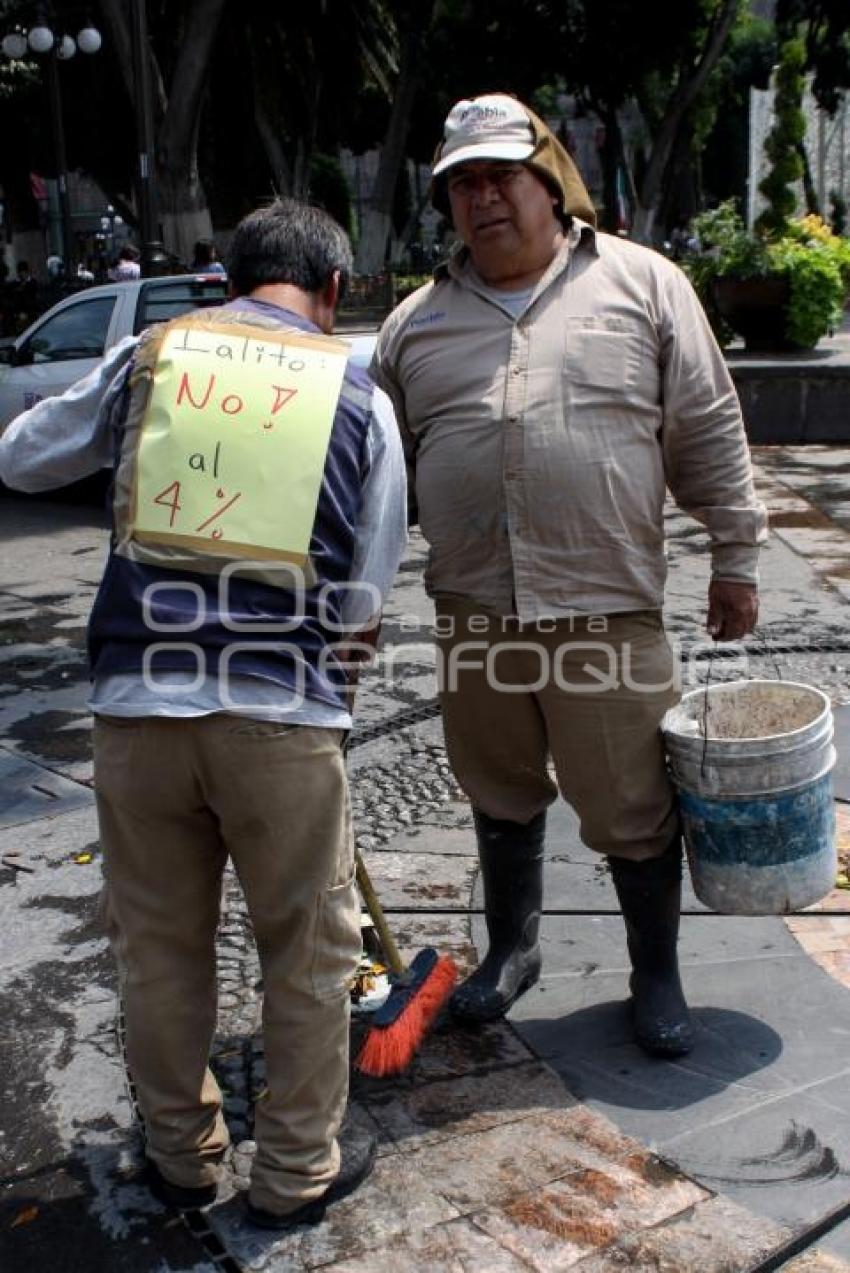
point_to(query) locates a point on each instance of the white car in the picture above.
(67, 342)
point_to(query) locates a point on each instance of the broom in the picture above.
(416, 996)
(418, 992)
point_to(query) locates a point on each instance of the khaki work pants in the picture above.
(175, 799)
(590, 694)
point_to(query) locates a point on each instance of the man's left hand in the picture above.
(733, 609)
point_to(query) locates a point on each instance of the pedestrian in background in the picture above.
(25, 301)
(205, 258)
(195, 763)
(127, 266)
(549, 383)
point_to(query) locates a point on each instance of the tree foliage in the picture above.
(824, 26)
(782, 145)
(255, 100)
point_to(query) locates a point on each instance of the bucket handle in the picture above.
(761, 637)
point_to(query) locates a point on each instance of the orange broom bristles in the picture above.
(390, 1049)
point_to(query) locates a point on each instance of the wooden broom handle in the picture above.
(373, 906)
(367, 892)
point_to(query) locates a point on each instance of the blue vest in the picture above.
(263, 630)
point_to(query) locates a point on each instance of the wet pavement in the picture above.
(546, 1142)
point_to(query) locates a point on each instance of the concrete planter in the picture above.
(756, 309)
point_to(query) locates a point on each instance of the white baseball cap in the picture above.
(494, 126)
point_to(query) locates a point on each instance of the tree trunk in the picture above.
(183, 211)
(184, 214)
(267, 132)
(401, 244)
(183, 208)
(377, 220)
(270, 138)
(116, 17)
(305, 146)
(812, 202)
(680, 194)
(690, 84)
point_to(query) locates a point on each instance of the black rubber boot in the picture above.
(650, 896)
(511, 857)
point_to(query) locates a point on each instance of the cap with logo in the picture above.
(497, 126)
(491, 127)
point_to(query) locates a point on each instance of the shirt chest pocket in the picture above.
(602, 361)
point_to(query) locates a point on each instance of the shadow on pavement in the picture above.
(592, 1051)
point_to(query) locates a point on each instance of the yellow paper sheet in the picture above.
(233, 444)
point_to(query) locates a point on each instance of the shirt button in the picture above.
(516, 370)
(512, 419)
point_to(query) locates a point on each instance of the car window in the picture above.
(76, 332)
(159, 303)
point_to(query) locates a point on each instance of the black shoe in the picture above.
(358, 1150)
(183, 1197)
(511, 857)
(650, 899)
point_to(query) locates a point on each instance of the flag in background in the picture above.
(624, 221)
(38, 186)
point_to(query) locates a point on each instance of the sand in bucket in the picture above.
(752, 763)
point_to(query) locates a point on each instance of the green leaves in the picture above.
(783, 141)
(815, 261)
(816, 301)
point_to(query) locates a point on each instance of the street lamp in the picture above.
(41, 39)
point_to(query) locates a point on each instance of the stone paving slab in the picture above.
(450, 1053)
(429, 836)
(51, 725)
(817, 1261)
(396, 1199)
(718, 1236)
(577, 878)
(806, 491)
(554, 1227)
(786, 1158)
(409, 880)
(29, 791)
(447, 934)
(443, 1110)
(40, 908)
(837, 1242)
(453, 1246)
(766, 1083)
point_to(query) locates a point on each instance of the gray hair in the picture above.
(288, 242)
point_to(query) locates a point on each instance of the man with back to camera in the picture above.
(549, 383)
(219, 668)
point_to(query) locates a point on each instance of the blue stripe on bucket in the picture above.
(764, 831)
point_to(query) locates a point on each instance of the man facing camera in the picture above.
(551, 384)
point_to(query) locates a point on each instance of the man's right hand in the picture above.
(733, 609)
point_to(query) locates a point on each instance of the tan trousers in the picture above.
(175, 799)
(590, 694)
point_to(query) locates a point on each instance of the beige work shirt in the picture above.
(541, 447)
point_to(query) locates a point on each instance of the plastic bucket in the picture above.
(752, 763)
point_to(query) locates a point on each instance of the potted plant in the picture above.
(779, 293)
(783, 286)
